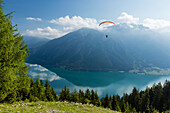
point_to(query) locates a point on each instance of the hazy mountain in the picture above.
(147, 48)
(34, 41)
(88, 49)
(84, 49)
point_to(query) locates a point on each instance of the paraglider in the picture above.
(107, 22)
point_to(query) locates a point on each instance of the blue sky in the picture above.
(35, 17)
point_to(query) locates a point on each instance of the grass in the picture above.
(52, 107)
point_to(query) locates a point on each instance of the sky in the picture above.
(55, 18)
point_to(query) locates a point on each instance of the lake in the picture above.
(102, 82)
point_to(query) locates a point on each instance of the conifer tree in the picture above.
(48, 94)
(97, 100)
(13, 52)
(106, 101)
(71, 97)
(61, 96)
(81, 96)
(127, 108)
(102, 102)
(87, 94)
(123, 104)
(65, 94)
(145, 103)
(114, 103)
(134, 110)
(54, 95)
(157, 96)
(33, 91)
(92, 97)
(166, 96)
(135, 99)
(74, 96)
(118, 100)
(40, 89)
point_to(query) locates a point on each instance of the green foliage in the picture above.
(97, 100)
(127, 108)
(87, 94)
(134, 110)
(106, 101)
(33, 89)
(135, 98)
(13, 52)
(74, 96)
(92, 97)
(14, 82)
(40, 89)
(48, 92)
(81, 97)
(114, 103)
(157, 96)
(56, 98)
(39, 92)
(65, 94)
(145, 101)
(166, 96)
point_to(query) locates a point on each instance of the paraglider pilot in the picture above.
(107, 22)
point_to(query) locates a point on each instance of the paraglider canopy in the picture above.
(107, 22)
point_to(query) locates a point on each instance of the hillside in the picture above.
(85, 49)
(52, 107)
(89, 50)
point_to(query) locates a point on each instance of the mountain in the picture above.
(89, 50)
(85, 49)
(34, 41)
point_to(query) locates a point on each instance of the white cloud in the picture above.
(34, 19)
(68, 28)
(37, 67)
(44, 76)
(34, 74)
(46, 32)
(64, 25)
(54, 78)
(76, 22)
(32, 65)
(43, 73)
(153, 24)
(40, 68)
(156, 23)
(126, 18)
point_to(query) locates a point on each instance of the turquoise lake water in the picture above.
(102, 82)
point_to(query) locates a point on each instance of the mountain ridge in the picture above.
(34, 41)
(84, 49)
(89, 50)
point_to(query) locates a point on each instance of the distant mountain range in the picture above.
(89, 50)
(34, 41)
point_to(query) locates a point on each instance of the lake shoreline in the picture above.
(143, 71)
